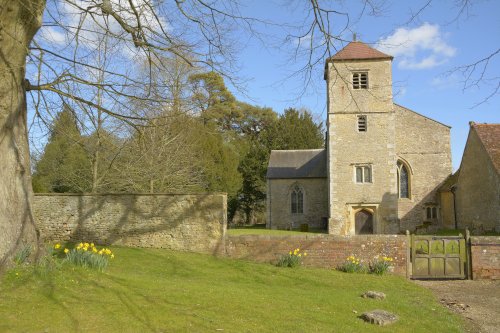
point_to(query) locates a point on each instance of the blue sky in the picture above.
(425, 51)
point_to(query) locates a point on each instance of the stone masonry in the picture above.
(194, 223)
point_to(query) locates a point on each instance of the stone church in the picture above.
(382, 164)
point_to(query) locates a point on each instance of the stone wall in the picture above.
(485, 253)
(478, 189)
(181, 222)
(279, 203)
(424, 145)
(327, 251)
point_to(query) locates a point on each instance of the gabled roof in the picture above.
(307, 163)
(359, 50)
(400, 107)
(489, 134)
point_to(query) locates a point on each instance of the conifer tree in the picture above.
(64, 165)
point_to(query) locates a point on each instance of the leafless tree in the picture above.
(192, 30)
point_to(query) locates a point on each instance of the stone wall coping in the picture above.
(318, 236)
(128, 194)
(485, 240)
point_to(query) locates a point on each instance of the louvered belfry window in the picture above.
(360, 80)
(362, 126)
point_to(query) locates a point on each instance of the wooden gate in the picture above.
(438, 257)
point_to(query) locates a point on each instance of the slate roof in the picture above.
(307, 163)
(489, 134)
(359, 50)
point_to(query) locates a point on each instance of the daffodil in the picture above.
(66, 250)
(57, 246)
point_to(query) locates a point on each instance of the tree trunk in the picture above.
(19, 21)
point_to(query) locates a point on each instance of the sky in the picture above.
(425, 51)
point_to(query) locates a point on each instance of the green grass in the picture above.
(158, 290)
(260, 229)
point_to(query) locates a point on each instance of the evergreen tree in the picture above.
(64, 165)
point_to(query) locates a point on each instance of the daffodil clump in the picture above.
(380, 265)
(87, 255)
(352, 264)
(292, 259)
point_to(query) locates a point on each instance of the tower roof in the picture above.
(359, 50)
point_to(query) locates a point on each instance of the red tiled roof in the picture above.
(489, 134)
(359, 50)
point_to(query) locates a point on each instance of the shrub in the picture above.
(22, 255)
(292, 259)
(87, 255)
(352, 265)
(380, 266)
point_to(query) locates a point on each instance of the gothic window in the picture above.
(297, 200)
(431, 212)
(403, 180)
(362, 124)
(363, 173)
(360, 80)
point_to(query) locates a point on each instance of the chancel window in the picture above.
(297, 199)
(362, 124)
(403, 180)
(431, 212)
(360, 80)
(363, 173)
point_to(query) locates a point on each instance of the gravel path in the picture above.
(478, 301)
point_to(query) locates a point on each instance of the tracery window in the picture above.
(297, 200)
(403, 180)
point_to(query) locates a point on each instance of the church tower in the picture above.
(361, 157)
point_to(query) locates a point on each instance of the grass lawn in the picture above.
(154, 290)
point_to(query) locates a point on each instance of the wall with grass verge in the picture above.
(176, 221)
(328, 251)
(485, 259)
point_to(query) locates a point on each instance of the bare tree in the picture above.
(193, 30)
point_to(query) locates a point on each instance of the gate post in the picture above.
(468, 254)
(408, 254)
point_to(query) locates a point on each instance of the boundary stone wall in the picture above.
(184, 222)
(485, 251)
(327, 251)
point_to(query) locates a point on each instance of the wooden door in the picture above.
(364, 222)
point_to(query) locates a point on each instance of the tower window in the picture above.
(363, 174)
(360, 80)
(362, 124)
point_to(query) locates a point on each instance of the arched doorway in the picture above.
(364, 222)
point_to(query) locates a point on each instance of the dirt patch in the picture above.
(477, 301)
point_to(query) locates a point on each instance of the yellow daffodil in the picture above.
(66, 250)
(57, 246)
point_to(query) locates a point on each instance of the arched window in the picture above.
(403, 180)
(297, 200)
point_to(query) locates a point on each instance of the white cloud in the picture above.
(418, 48)
(51, 35)
(446, 81)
